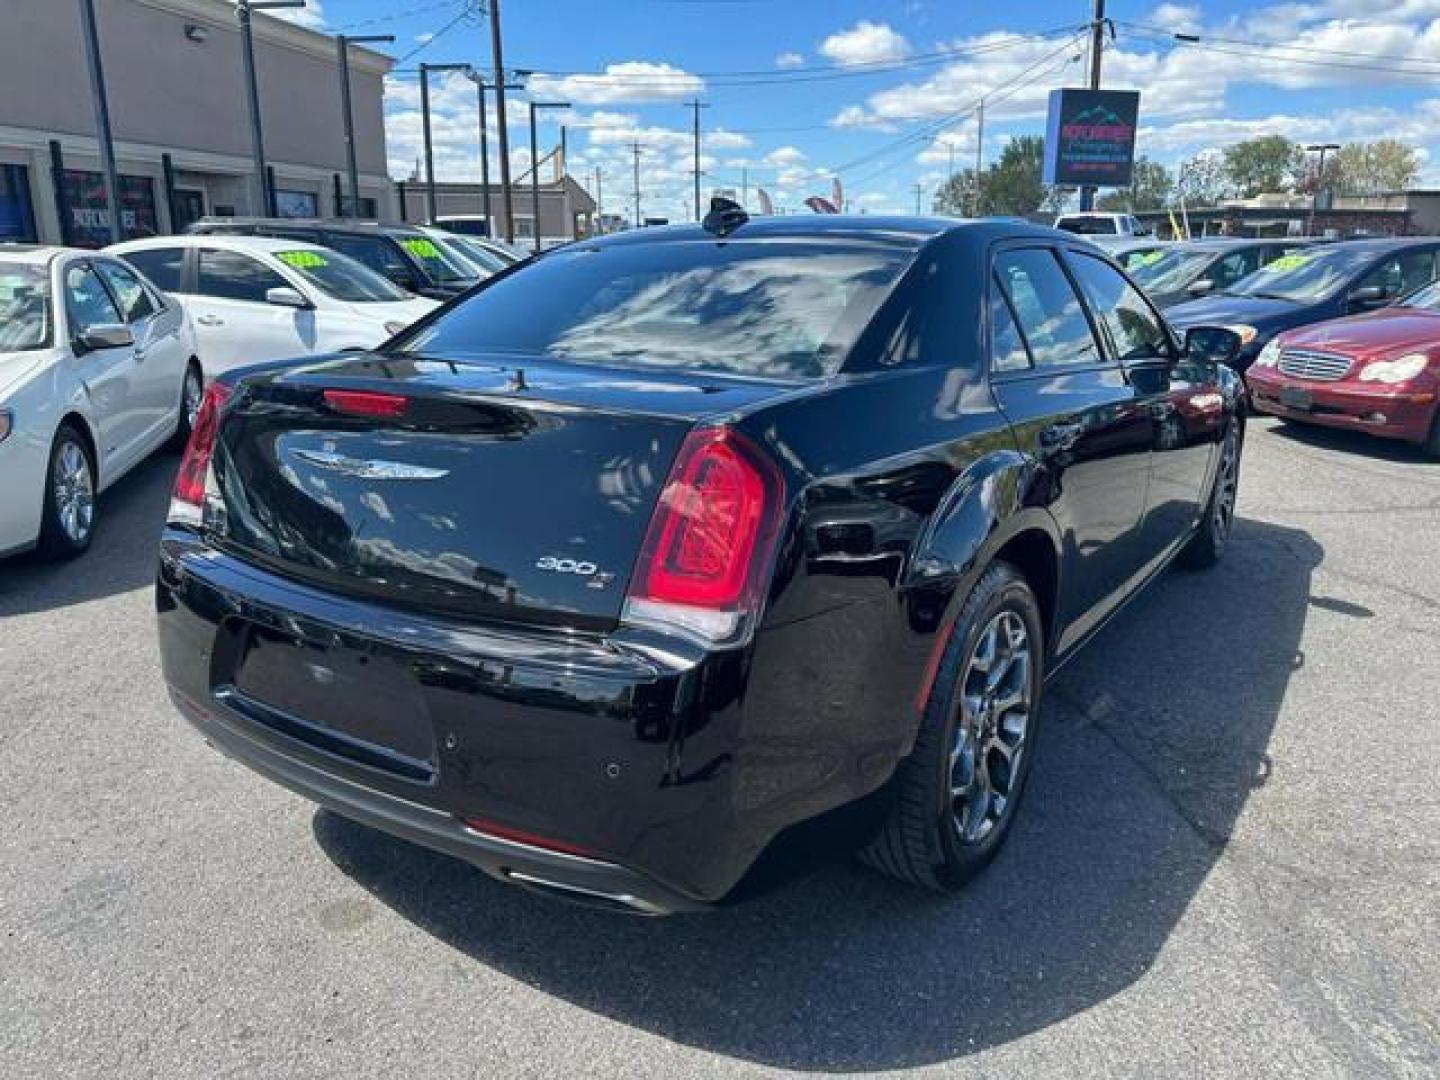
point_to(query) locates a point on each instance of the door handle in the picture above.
(139, 356)
(210, 320)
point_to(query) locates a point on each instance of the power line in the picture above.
(467, 7)
(1249, 53)
(1197, 39)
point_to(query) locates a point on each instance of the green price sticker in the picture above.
(1288, 262)
(301, 260)
(421, 248)
(1148, 258)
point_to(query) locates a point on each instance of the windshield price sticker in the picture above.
(1288, 262)
(421, 248)
(302, 260)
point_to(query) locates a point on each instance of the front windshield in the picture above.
(771, 309)
(1172, 271)
(24, 307)
(1303, 276)
(482, 256)
(1426, 299)
(448, 269)
(342, 277)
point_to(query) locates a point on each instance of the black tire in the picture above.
(929, 838)
(1207, 546)
(1432, 442)
(65, 529)
(193, 382)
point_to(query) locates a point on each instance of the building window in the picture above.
(17, 215)
(525, 226)
(296, 204)
(87, 221)
(368, 208)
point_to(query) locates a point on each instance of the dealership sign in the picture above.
(1090, 137)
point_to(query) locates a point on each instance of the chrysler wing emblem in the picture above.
(370, 468)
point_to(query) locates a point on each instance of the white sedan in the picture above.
(97, 369)
(258, 298)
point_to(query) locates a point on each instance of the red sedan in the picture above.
(1378, 373)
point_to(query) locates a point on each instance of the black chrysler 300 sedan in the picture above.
(607, 573)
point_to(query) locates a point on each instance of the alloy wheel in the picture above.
(74, 492)
(990, 731)
(192, 394)
(1226, 484)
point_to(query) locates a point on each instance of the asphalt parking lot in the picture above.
(1229, 862)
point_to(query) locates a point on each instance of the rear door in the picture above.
(234, 324)
(1181, 397)
(160, 355)
(1075, 414)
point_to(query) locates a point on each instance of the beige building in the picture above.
(177, 96)
(567, 210)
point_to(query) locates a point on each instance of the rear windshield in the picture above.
(341, 276)
(772, 309)
(1089, 226)
(24, 308)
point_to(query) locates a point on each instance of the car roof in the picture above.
(32, 254)
(332, 224)
(1382, 244)
(253, 245)
(905, 231)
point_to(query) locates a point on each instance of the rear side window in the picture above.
(766, 308)
(135, 303)
(1048, 311)
(163, 266)
(1134, 327)
(1403, 273)
(233, 276)
(1007, 348)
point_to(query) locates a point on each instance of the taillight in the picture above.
(188, 498)
(366, 403)
(707, 552)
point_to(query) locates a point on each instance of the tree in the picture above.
(1012, 186)
(1267, 163)
(956, 196)
(1201, 180)
(1367, 168)
(1151, 187)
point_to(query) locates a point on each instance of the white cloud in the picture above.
(1178, 18)
(789, 60)
(633, 81)
(865, 43)
(785, 157)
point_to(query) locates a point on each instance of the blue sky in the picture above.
(882, 95)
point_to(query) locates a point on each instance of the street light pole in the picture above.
(342, 52)
(425, 70)
(697, 105)
(636, 148)
(479, 82)
(260, 190)
(535, 106)
(102, 119)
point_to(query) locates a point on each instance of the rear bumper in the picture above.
(1403, 415)
(633, 756)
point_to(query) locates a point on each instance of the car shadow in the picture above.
(1155, 739)
(1352, 442)
(130, 515)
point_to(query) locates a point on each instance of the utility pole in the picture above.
(635, 148)
(425, 70)
(918, 192)
(535, 106)
(599, 201)
(102, 119)
(695, 107)
(744, 186)
(979, 154)
(1097, 52)
(500, 123)
(342, 52)
(264, 197)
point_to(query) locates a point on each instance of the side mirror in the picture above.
(1367, 296)
(103, 336)
(287, 297)
(1200, 287)
(1212, 344)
